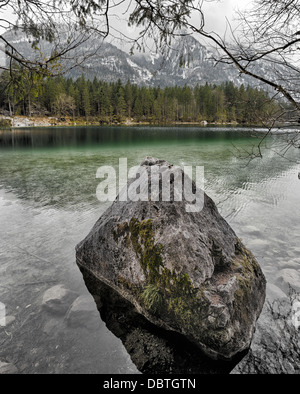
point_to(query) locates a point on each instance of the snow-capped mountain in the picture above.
(187, 63)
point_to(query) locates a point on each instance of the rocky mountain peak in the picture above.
(188, 62)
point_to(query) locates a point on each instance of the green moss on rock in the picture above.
(215, 338)
(171, 296)
(167, 294)
(247, 270)
(152, 298)
(182, 302)
(148, 252)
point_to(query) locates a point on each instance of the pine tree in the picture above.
(121, 103)
(129, 99)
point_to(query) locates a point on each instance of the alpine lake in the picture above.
(48, 204)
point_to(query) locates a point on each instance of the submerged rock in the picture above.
(58, 299)
(9, 320)
(83, 313)
(186, 272)
(7, 369)
(275, 293)
(276, 343)
(288, 279)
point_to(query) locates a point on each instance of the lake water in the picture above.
(48, 204)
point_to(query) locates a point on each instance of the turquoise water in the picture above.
(48, 204)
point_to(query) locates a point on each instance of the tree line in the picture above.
(32, 94)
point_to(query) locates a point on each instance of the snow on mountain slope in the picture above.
(187, 63)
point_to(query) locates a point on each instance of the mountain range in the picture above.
(188, 62)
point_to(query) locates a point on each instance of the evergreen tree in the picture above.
(111, 101)
(121, 103)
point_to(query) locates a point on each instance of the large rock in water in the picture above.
(186, 272)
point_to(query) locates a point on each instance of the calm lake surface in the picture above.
(48, 204)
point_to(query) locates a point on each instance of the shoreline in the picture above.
(21, 122)
(16, 122)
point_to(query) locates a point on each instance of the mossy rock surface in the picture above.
(186, 272)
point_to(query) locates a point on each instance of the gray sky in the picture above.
(216, 12)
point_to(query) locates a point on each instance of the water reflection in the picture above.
(113, 136)
(57, 167)
(153, 350)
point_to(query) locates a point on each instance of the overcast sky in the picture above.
(216, 12)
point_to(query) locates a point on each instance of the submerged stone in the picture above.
(7, 368)
(58, 299)
(288, 279)
(184, 271)
(83, 313)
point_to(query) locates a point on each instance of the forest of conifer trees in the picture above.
(114, 102)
